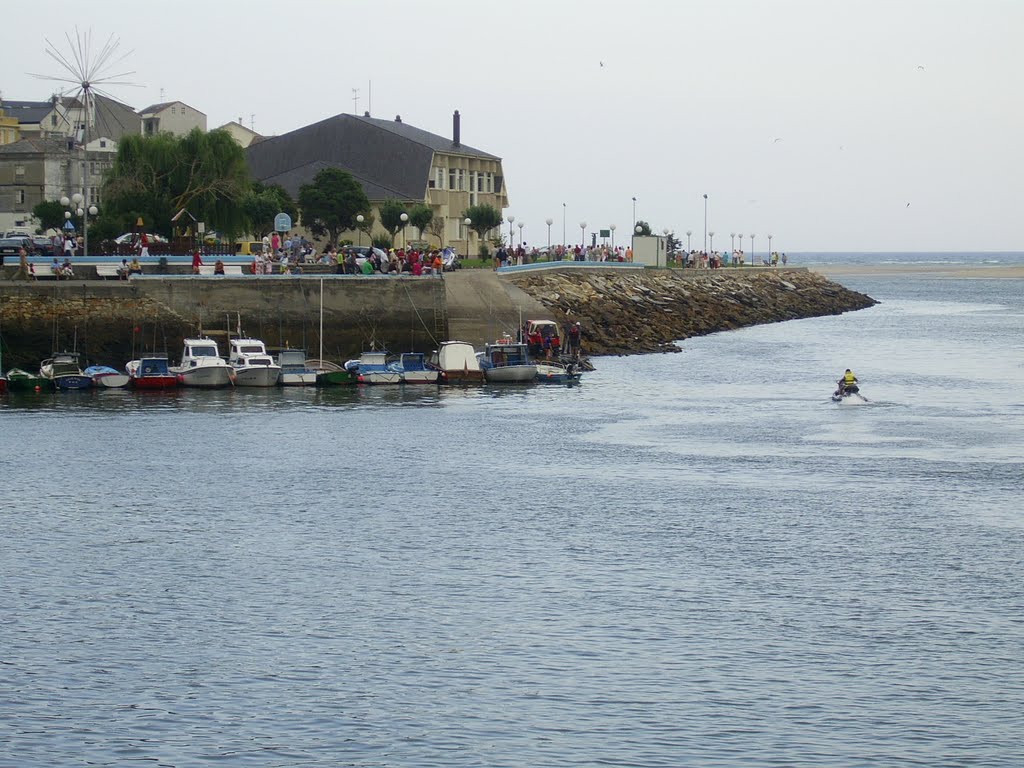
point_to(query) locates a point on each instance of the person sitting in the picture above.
(847, 383)
(55, 268)
(135, 268)
(218, 267)
(65, 270)
(122, 270)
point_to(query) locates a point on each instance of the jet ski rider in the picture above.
(848, 383)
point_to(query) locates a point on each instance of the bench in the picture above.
(108, 270)
(229, 269)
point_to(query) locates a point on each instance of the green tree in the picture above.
(153, 177)
(483, 217)
(391, 216)
(49, 214)
(436, 228)
(263, 203)
(329, 205)
(420, 217)
(645, 229)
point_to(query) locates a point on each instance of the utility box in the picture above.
(649, 250)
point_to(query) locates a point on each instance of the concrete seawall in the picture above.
(622, 312)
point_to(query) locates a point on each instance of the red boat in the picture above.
(151, 373)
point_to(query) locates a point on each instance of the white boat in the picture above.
(557, 372)
(457, 362)
(295, 370)
(506, 361)
(414, 369)
(105, 376)
(374, 368)
(253, 366)
(201, 366)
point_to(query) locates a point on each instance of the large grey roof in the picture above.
(154, 108)
(27, 111)
(113, 119)
(390, 159)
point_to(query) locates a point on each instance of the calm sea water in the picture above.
(690, 559)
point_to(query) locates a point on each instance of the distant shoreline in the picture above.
(938, 270)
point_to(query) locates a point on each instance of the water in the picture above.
(691, 559)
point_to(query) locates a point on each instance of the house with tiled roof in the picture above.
(64, 116)
(392, 160)
(174, 117)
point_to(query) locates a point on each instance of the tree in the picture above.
(645, 229)
(420, 217)
(329, 205)
(263, 203)
(436, 228)
(153, 177)
(483, 217)
(391, 216)
(49, 214)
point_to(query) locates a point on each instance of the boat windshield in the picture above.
(251, 349)
(204, 352)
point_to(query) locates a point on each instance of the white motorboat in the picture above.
(506, 361)
(253, 366)
(457, 362)
(374, 368)
(415, 369)
(201, 366)
(103, 376)
(295, 369)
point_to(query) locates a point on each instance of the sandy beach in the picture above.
(936, 270)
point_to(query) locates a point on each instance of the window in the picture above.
(103, 143)
(20, 196)
(451, 178)
(92, 168)
(19, 170)
(53, 119)
(174, 110)
(462, 180)
(490, 182)
(440, 178)
(94, 194)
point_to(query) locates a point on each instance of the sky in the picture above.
(877, 125)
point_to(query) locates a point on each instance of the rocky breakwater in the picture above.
(630, 312)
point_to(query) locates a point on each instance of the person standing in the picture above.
(197, 262)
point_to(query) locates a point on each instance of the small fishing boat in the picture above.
(151, 373)
(295, 370)
(105, 377)
(557, 372)
(414, 369)
(330, 374)
(201, 366)
(506, 361)
(23, 381)
(373, 367)
(253, 366)
(457, 362)
(65, 372)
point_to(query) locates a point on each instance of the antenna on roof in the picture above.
(369, 99)
(252, 122)
(355, 101)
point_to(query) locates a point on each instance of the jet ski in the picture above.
(848, 394)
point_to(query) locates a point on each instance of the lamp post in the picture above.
(705, 223)
(563, 225)
(520, 225)
(711, 236)
(583, 235)
(688, 233)
(769, 249)
(405, 218)
(510, 235)
(612, 228)
(467, 221)
(634, 211)
(732, 242)
(741, 245)
(753, 263)
(359, 226)
(549, 221)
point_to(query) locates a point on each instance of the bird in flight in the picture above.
(908, 205)
(920, 66)
(601, 63)
(776, 141)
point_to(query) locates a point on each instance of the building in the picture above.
(64, 116)
(10, 132)
(392, 161)
(244, 136)
(36, 169)
(173, 117)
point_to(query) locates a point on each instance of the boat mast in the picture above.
(321, 321)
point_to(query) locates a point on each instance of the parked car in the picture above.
(42, 246)
(128, 237)
(9, 246)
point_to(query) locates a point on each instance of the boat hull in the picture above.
(155, 382)
(420, 377)
(72, 381)
(111, 380)
(380, 377)
(462, 376)
(335, 378)
(257, 376)
(298, 379)
(205, 377)
(20, 381)
(511, 374)
(548, 373)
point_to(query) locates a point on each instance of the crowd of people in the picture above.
(289, 256)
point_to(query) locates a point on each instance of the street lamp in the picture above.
(753, 263)
(711, 235)
(359, 225)
(705, 223)
(732, 242)
(563, 225)
(467, 221)
(583, 234)
(741, 245)
(405, 218)
(520, 225)
(612, 228)
(769, 249)
(549, 221)
(510, 236)
(688, 233)
(634, 210)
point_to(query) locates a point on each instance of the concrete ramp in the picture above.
(482, 306)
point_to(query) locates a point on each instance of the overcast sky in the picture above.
(833, 126)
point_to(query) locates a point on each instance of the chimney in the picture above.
(366, 113)
(456, 129)
(398, 118)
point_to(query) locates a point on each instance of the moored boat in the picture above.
(201, 366)
(414, 369)
(330, 374)
(295, 369)
(506, 361)
(23, 381)
(65, 372)
(105, 377)
(151, 373)
(457, 362)
(557, 372)
(374, 368)
(253, 366)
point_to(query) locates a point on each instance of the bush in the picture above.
(485, 252)
(381, 241)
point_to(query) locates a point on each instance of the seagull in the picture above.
(601, 63)
(920, 66)
(776, 141)
(908, 205)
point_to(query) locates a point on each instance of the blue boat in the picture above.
(65, 372)
(415, 369)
